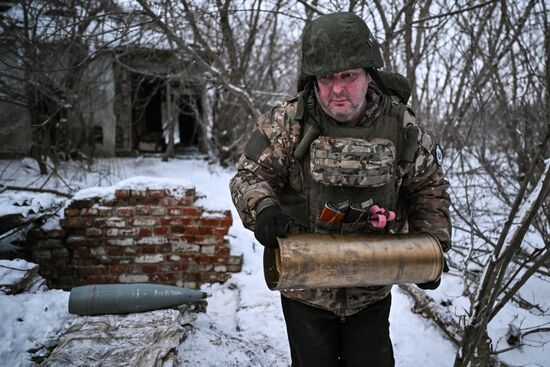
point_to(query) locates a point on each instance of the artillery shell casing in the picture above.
(101, 299)
(306, 261)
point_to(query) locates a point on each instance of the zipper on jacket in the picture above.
(342, 295)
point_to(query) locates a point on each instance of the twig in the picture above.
(31, 189)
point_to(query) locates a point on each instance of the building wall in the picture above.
(97, 106)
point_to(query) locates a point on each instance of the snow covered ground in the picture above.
(243, 325)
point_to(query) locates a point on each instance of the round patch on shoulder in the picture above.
(438, 155)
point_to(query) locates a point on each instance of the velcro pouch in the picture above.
(352, 161)
(256, 145)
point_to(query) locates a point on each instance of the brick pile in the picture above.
(140, 235)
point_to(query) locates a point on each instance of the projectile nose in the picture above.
(204, 295)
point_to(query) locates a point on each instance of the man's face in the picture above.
(342, 95)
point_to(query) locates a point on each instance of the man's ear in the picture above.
(369, 77)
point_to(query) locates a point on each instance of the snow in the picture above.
(13, 271)
(177, 186)
(30, 321)
(25, 203)
(244, 325)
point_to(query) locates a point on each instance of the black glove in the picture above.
(433, 285)
(270, 224)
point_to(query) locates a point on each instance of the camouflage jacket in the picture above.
(421, 188)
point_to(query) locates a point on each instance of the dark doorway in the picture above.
(147, 96)
(188, 123)
(149, 102)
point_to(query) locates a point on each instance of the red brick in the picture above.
(161, 230)
(145, 232)
(99, 222)
(192, 212)
(72, 212)
(71, 222)
(125, 212)
(122, 194)
(205, 230)
(147, 249)
(205, 259)
(235, 260)
(105, 212)
(185, 202)
(157, 193)
(147, 201)
(164, 249)
(170, 221)
(78, 241)
(168, 267)
(176, 212)
(234, 268)
(212, 222)
(134, 269)
(124, 232)
(179, 229)
(144, 222)
(81, 252)
(104, 279)
(114, 250)
(221, 231)
(139, 193)
(222, 250)
(118, 269)
(115, 222)
(88, 221)
(89, 212)
(226, 222)
(150, 268)
(153, 240)
(94, 232)
(163, 277)
(143, 210)
(168, 201)
(158, 211)
(190, 230)
(208, 240)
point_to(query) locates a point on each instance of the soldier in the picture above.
(346, 137)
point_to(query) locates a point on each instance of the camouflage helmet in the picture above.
(336, 42)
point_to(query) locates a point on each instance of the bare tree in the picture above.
(242, 55)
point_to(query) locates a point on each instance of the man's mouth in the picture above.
(340, 101)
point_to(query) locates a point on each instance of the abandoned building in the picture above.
(132, 106)
(125, 101)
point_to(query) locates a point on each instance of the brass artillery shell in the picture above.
(332, 261)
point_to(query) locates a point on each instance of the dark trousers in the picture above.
(319, 338)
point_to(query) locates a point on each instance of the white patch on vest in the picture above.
(352, 161)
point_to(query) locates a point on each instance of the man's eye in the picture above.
(325, 79)
(349, 77)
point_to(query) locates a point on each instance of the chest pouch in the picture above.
(352, 161)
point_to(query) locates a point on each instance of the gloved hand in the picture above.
(433, 285)
(270, 224)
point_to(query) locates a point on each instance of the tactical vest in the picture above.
(340, 163)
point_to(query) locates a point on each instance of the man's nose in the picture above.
(338, 86)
